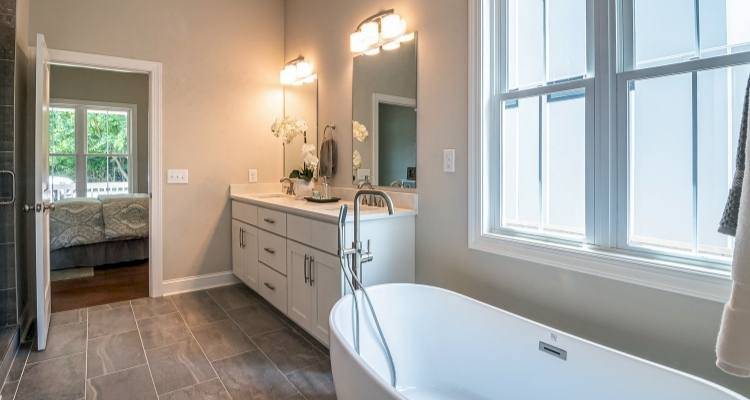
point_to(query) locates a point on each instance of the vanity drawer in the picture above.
(273, 221)
(272, 287)
(245, 212)
(313, 233)
(272, 251)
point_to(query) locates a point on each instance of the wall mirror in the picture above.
(301, 102)
(384, 117)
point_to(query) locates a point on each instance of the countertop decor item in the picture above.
(321, 200)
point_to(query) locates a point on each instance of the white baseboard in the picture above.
(199, 282)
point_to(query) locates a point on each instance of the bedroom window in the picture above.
(604, 134)
(91, 149)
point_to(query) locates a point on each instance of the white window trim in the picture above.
(81, 137)
(668, 275)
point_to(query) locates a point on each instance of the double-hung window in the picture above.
(607, 131)
(91, 149)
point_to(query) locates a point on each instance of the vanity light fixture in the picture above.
(385, 30)
(297, 72)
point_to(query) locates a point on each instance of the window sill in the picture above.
(704, 283)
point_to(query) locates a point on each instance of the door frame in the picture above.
(377, 100)
(155, 127)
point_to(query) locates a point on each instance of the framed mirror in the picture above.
(301, 103)
(384, 118)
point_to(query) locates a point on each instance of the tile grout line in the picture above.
(140, 339)
(31, 348)
(190, 330)
(260, 350)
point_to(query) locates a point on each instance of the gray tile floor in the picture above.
(224, 343)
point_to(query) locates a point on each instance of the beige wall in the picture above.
(671, 329)
(220, 63)
(85, 84)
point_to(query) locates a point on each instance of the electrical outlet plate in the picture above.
(252, 175)
(449, 160)
(178, 176)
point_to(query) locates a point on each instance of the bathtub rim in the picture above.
(349, 349)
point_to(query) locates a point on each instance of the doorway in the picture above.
(112, 162)
(98, 177)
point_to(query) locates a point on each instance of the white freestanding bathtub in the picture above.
(449, 346)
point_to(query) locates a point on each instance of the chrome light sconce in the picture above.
(385, 30)
(297, 72)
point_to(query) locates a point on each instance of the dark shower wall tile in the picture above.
(8, 307)
(7, 80)
(7, 36)
(6, 128)
(7, 266)
(7, 224)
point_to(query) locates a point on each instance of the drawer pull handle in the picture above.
(269, 250)
(307, 276)
(269, 220)
(312, 277)
(270, 286)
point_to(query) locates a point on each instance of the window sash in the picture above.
(81, 143)
(606, 130)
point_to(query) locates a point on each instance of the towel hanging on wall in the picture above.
(328, 153)
(733, 343)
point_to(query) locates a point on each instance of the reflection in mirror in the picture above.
(384, 118)
(301, 103)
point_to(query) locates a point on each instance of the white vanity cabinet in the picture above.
(289, 256)
(245, 253)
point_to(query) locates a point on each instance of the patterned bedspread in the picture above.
(125, 216)
(76, 222)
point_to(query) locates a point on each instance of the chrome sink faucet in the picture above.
(289, 186)
(370, 200)
(359, 255)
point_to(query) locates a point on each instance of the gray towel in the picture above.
(728, 224)
(328, 154)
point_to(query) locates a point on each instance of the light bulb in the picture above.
(393, 26)
(373, 52)
(304, 69)
(357, 42)
(406, 37)
(371, 33)
(392, 45)
(288, 75)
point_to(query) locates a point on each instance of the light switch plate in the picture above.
(252, 175)
(449, 160)
(177, 176)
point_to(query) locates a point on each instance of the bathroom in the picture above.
(215, 167)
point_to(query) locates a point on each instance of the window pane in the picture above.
(106, 175)
(719, 94)
(661, 162)
(564, 189)
(62, 130)
(521, 163)
(724, 28)
(107, 132)
(62, 177)
(525, 43)
(664, 31)
(567, 38)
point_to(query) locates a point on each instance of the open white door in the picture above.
(42, 194)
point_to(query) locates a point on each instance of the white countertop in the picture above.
(327, 212)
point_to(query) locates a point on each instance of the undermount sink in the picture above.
(270, 195)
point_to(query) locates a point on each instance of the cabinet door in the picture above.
(300, 295)
(238, 250)
(326, 279)
(250, 256)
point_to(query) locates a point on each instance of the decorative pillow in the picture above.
(76, 222)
